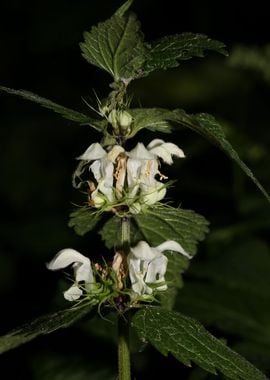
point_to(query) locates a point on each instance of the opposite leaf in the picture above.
(116, 46)
(187, 340)
(83, 220)
(167, 223)
(42, 325)
(168, 51)
(67, 113)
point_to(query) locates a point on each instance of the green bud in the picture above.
(125, 119)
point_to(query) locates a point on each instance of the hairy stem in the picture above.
(124, 372)
(123, 349)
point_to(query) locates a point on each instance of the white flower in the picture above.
(142, 168)
(147, 265)
(103, 171)
(82, 271)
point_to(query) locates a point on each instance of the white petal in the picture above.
(161, 152)
(165, 150)
(73, 293)
(143, 251)
(137, 276)
(66, 257)
(141, 153)
(171, 245)
(133, 166)
(83, 272)
(93, 152)
(156, 270)
(96, 169)
(174, 150)
(155, 143)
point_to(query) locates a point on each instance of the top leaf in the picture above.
(116, 45)
(167, 51)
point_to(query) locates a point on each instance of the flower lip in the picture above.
(148, 265)
(93, 152)
(82, 270)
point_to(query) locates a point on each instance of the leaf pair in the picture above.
(169, 332)
(117, 46)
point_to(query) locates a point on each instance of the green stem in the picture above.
(125, 234)
(124, 372)
(123, 350)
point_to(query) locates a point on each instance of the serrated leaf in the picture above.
(184, 226)
(168, 51)
(168, 223)
(83, 220)
(116, 45)
(110, 233)
(153, 119)
(187, 340)
(40, 326)
(208, 126)
(66, 113)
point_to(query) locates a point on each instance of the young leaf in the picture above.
(168, 223)
(116, 45)
(184, 226)
(83, 220)
(168, 51)
(42, 325)
(154, 119)
(66, 113)
(187, 340)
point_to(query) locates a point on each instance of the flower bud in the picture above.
(125, 119)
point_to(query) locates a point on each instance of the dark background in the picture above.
(40, 53)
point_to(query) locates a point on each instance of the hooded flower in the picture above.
(82, 271)
(147, 266)
(119, 174)
(103, 170)
(143, 167)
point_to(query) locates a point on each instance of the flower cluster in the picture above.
(146, 269)
(123, 182)
(126, 178)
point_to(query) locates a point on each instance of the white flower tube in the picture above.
(147, 266)
(103, 171)
(82, 271)
(142, 168)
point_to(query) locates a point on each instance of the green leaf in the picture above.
(42, 325)
(83, 220)
(168, 51)
(110, 232)
(208, 127)
(184, 226)
(116, 45)
(66, 113)
(187, 340)
(154, 119)
(168, 223)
